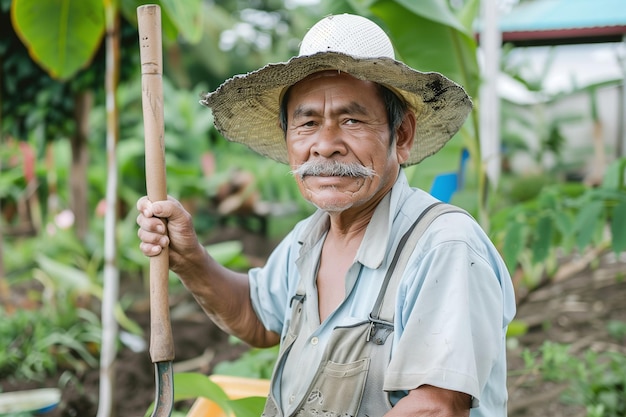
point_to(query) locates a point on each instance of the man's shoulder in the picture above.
(452, 224)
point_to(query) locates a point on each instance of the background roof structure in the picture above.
(555, 22)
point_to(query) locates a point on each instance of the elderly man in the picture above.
(363, 331)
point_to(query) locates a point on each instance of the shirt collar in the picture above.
(373, 248)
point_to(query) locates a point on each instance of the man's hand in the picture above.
(223, 294)
(430, 401)
(166, 223)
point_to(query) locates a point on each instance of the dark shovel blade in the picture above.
(164, 376)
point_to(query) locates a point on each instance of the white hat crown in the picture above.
(348, 34)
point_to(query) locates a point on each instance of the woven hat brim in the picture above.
(246, 107)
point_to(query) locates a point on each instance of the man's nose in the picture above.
(329, 141)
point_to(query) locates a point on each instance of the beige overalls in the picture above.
(349, 381)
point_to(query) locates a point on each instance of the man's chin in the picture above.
(333, 208)
(332, 201)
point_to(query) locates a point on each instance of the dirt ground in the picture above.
(574, 310)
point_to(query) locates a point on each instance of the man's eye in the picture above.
(352, 121)
(309, 123)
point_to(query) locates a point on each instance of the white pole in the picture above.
(489, 110)
(110, 293)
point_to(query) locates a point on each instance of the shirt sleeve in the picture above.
(271, 285)
(448, 322)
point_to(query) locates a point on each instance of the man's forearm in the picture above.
(430, 401)
(224, 295)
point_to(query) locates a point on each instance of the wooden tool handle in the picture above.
(150, 44)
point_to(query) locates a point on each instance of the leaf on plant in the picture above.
(68, 277)
(61, 36)
(429, 37)
(225, 252)
(125, 321)
(586, 221)
(248, 407)
(614, 177)
(517, 328)
(548, 198)
(190, 385)
(513, 244)
(186, 16)
(618, 227)
(434, 10)
(542, 238)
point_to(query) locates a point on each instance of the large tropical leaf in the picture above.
(186, 16)
(248, 406)
(429, 37)
(191, 385)
(62, 36)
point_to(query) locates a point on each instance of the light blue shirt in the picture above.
(453, 304)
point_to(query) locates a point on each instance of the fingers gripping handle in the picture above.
(150, 44)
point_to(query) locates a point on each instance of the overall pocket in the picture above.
(337, 390)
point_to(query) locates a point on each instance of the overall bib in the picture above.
(356, 357)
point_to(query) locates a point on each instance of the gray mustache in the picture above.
(333, 169)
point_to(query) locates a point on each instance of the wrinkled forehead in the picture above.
(321, 76)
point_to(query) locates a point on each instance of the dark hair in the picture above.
(395, 106)
(396, 109)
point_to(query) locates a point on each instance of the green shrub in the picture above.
(596, 381)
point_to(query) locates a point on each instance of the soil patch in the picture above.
(574, 311)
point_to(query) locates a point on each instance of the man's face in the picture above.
(334, 117)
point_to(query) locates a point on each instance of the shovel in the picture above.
(161, 340)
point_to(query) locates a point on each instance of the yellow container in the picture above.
(235, 387)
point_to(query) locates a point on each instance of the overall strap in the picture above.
(383, 310)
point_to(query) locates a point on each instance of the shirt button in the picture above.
(314, 341)
(292, 399)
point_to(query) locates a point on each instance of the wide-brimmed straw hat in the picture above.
(246, 107)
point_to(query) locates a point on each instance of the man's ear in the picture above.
(405, 135)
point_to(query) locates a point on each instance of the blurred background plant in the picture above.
(594, 380)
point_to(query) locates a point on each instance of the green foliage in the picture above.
(12, 180)
(62, 36)
(186, 17)
(188, 127)
(35, 106)
(516, 328)
(229, 254)
(254, 363)
(565, 217)
(429, 36)
(39, 342)
(617, 330)
(596, 381)
(193, 385)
